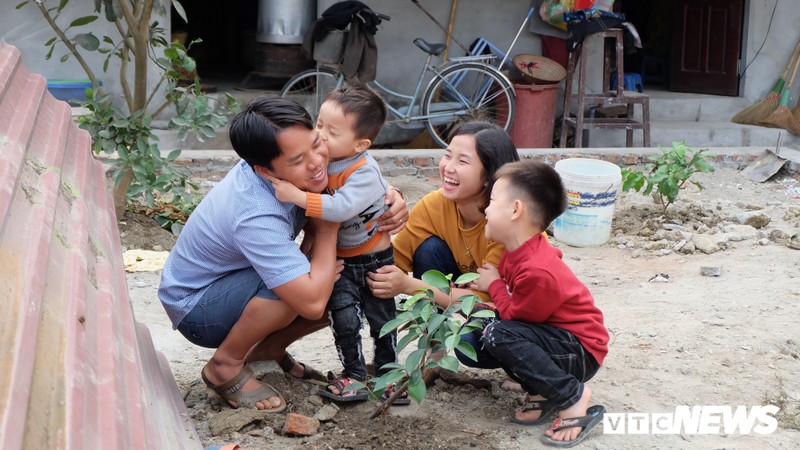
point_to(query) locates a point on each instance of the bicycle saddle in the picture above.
(431, 49)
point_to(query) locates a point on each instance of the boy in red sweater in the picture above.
(550, 337)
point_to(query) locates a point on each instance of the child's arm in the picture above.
(363, 188)
(536, 297)
(288, 193)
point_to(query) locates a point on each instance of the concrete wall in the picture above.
(781, 38)
(400, 61)
(27, 30)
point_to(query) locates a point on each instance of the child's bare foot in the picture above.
(511, 386)
(576, 410)
(535, 410)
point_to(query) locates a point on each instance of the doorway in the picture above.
(226, 54)
(689, 45)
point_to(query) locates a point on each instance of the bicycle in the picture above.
(460, 89)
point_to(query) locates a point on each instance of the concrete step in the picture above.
(699, 108)
(697, 135)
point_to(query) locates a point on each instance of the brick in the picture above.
(630, 160)
(431, 172)
(423, 162)
(300, 425)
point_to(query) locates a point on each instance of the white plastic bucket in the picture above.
(591, 187)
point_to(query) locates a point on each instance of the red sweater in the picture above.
(536, 286)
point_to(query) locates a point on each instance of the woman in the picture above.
(445, 230)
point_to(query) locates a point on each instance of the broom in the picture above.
(796, 111)
(759, 111)
(782, 116)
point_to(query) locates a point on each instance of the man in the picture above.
(236, 281)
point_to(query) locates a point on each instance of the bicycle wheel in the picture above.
(310, 87)
(464, 92)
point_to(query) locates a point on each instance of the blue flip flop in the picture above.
(594, 415)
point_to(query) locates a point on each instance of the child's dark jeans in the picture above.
(545, 360)
(350, 301)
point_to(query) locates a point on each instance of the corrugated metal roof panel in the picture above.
(78, 371)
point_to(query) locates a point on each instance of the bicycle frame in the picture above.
(408, 116)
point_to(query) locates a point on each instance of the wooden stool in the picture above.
(619, 96)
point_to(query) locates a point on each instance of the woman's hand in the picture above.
(488, 273)
(387, 282)
(395, 218)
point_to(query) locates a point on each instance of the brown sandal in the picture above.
(231, 391)
(309, 373)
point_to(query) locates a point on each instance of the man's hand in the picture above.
(395, 218)
(287, 192)
(488, 273)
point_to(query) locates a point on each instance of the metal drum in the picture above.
(284, 21)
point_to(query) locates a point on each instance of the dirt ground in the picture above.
(701, 303)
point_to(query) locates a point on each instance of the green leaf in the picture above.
(437, 279)
(452, 341)
(82, 21)
(407, 339)
(467, 303)
(179, 9)
(466, 349)
(426, 312)
(435, 322)
(484, 313)
(413, 360)
(173, 154)
(354, 386)
(208, 131)
(391, 366)
(392, 325)
(469, 327)
(164, 178)
(87, 41)
(417, 388)
(449, 362)
(467, 278)
(135, 190)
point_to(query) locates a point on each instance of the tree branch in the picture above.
(70, 46)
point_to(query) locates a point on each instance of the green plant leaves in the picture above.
(668, 173)
(82, 21)
(437, 280)
(416, 387)
(449, 362)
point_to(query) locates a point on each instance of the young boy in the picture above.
(550, 337)
(349, 120)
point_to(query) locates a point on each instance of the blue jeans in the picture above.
(434, 254)
(210, 321)
(545, 360)
(351, 299)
